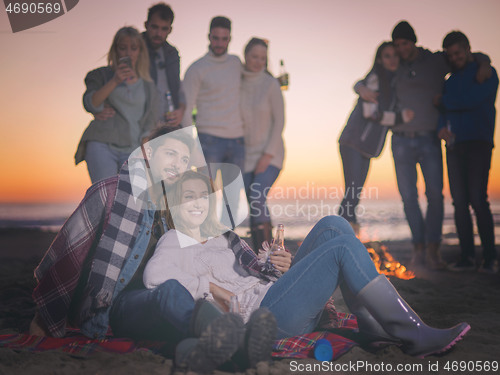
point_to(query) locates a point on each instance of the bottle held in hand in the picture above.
(278, 241)
(169, 107)
(283, 77)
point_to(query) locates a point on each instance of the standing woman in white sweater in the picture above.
(262, 110)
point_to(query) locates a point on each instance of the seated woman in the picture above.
(216, 266)
(125, 86)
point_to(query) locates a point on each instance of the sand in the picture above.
(441, 298)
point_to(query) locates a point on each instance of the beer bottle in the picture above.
(283, 77)
(279, 240)
(169, 105)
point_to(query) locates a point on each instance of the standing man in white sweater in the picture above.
(212, 85)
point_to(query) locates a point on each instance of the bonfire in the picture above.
(385, 262)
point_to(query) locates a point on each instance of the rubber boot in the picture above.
(371, 330)
(217, 337)
(399, 320)
(433, 257)
(418, 258)
(260, 233)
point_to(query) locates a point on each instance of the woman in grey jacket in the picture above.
(126, 86)
(364, 135)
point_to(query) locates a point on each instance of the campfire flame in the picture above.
(385, 262)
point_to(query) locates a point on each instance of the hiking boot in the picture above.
(218, 342)
(260, 334)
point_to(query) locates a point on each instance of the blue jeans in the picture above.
(103, 161)
(161, 314)
(355, 171)
(424, 150)
(225, 150)
(330, 254)
(257, 186)
(468, 173)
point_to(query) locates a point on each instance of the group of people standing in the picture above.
(407, 92)
(239, 107)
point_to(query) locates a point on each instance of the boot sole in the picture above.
(450, 345)
(261, 333)
(217, 343)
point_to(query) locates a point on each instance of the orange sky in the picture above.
(327, 46)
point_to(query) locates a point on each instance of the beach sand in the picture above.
(441, 298)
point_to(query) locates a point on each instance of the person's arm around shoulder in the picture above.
(365, 93)
(485, 69)
(472, 96)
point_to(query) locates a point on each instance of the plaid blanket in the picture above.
(106, 222)
(78, 344)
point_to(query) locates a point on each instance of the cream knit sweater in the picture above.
(263, 114)
(212, 84)
(197, 265)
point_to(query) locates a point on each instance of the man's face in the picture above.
(157, 30)
(406, 49)
(219, 38)
(169, 160)
(458, 55)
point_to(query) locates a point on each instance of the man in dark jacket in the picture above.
(467, 125)
(164, 60)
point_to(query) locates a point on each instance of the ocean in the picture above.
(380, 220)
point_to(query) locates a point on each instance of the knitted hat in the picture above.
(403, 30)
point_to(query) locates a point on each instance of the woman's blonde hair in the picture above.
(211, 227)
(142, 65)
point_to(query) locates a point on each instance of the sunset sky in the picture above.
(327, 45)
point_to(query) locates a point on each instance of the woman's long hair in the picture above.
(384, 76)
(211, 227)
(142, 65)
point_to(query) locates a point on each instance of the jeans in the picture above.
(161, 314)
(424, 150)
(355, 171)
(257, 186)
(330, 254)
(225, 150)
(468, 172)
(103, 161)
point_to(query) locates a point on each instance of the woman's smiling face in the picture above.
(195, 203)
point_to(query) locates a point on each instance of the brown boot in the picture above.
(433, 258)
(260, 233)
(418, 258)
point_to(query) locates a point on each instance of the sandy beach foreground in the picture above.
(441, 298)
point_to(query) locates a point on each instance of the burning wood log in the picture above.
(385, 262)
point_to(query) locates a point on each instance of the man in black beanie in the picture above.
(419, 79)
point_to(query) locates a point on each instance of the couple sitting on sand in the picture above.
(125, 260)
